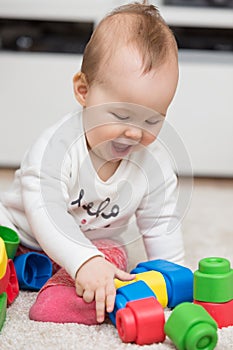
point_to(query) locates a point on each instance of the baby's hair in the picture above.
(136, 25)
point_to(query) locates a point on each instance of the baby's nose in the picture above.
(134, 133)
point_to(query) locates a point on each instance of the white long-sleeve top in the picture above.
(58, 203)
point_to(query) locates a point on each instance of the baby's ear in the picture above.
(80, 86)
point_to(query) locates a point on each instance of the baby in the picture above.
(86, 177)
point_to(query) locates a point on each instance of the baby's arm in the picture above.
(159, 222)
(53, 227)
(45, 188)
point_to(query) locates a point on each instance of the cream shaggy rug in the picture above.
(208, 231)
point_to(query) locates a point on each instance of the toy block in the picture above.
(11, 240)
(5, 280)
(33, 270)
(134, 291)
(222, 313)
(12, 289)
(3, 305)
(141, 321)
(118, 283)
(9, 283)
(3, 259)
(213, 281)
(155, 281)
(190, 327)
(179, 279)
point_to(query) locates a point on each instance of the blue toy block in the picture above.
(33, 270)
(130, 292)
(140, 269)
(179, 279)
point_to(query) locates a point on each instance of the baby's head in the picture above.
(131, 42)
(135, 26)
(130, 69)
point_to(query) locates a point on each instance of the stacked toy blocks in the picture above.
(139, 307)
(133, 291)
(169, 283)
(213, 289)
(28, 271)
(9, 287)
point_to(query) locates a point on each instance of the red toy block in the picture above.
(5, 280)
(12, 289)
(141, 321)
(222, 313)
(9, 283)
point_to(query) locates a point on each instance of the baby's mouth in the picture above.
(119, 147)
(123, 148)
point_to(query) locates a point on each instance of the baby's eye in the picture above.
(153, 121)
(121, 117)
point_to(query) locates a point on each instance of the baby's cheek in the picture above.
(148, 139)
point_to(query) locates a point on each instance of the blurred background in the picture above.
(41, 46)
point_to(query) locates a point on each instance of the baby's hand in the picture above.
(95, 281)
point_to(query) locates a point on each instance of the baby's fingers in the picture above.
(88, 295)
(100, 304)
(124, 276)
(110, 297)
(79, 289)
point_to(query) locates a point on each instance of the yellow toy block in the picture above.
(154, 280)
(119, 283)
(3, 258)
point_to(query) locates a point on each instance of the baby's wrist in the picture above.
(87, 261)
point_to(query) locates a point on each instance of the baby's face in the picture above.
(126, 112)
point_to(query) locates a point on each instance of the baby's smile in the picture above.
(122, 147)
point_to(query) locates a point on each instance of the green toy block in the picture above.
(11, 240)
(213, 281)
(3, 306)
(190, 327)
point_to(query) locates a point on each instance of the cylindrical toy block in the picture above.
(213, 281)
(190, 327)
(33, 270)
(5, 280)
(118, 283)
(141, 321)
(9, 283)
(3, 305)
(3, 259)
(11, 239)
(134, 291)
(12, 289)
(222, 313)
(155, 280)
(179, 279)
